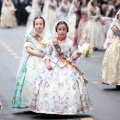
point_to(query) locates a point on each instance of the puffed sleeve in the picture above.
(28, 42)
(110, 37)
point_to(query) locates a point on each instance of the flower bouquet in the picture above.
(89, 51)
(86, 49)
(103, 21)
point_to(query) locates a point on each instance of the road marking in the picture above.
(11, 51)
(94, 82)
(86, 119)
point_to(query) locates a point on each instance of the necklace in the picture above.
(61, 39)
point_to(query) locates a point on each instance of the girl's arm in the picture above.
(47, 58)
(34, 53)
(82, 50)
(29, 48)
(48, 65)
(76, 55)
(109, 39)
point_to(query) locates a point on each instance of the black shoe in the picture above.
(118, 87)
(95, 49)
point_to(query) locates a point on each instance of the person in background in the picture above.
(94, 32)
(72, 18)
(50, 13)
(8, 18)
(83, 20)
(1, 1)
(24, 13)
(18, 12)
(35, 11)
(63, 10)
(111, 64)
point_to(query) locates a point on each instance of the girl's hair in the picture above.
(62, 23)
(38, 18)
(93, 2)
(118, 15)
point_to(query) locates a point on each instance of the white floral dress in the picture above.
(60, 90)
(93, 32)
(29, 71)
(111, 60)
(8, 18)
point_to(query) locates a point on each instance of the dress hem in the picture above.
(110, 83)
(62, 113)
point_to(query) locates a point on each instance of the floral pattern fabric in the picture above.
(28, 73)
(8, 18)
(111, 60)
(61, 90)
(93, 32)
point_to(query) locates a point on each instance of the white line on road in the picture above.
(11, 51)
(86, 119)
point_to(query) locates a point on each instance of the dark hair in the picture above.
(38, 18)
(93, 2)
(62, 23)
(118, 15)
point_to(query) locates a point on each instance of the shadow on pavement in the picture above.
(110, 89)
(51, 116)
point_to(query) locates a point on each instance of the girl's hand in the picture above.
(78, 54)
(49, 66)
(109, 45)
(42, 55)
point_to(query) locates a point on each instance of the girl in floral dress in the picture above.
(93, 32)
(64, 9)
(50, 12)
(34, 12)
(30, 64)
(83, 20)
(60, 89)
(111, 60)
(72, 18)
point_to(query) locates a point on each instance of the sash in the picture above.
(68, 62)
(116, 30)
(37, 37)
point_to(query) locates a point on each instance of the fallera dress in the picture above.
(28, 72)
(61, 90)
(111, 60)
